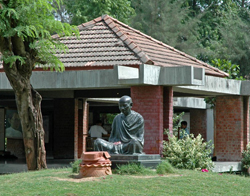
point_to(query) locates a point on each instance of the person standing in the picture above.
(183, 130)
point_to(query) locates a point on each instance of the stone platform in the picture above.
(147, 160)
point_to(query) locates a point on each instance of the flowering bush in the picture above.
(188, 153)
(204, 170)
(246, 157)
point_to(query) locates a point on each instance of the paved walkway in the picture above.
(19, 165)
(227, 166)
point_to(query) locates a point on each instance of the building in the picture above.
(112, 59)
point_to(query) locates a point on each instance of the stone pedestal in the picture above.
(147, 160)
(95, 164)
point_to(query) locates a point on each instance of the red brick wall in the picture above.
(148, 101)
(168, 110)
(64, 128)
(229, 128)
(198, 122)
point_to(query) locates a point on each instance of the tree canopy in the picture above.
(206, 29)
(81, 11)
(26, 26)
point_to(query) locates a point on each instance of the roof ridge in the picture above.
(170, 47)
(126, 40)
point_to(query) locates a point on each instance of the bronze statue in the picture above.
(127, 134)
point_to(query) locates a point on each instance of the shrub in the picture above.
(246, 158)
(165, 168)
(188, 153)
(76, 166)
(132, 169)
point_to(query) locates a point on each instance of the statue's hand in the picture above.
(116, 143)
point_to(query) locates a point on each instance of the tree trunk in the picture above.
(29, 109)
(28, 103)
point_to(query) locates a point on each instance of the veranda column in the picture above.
(76, 126)
(85, 120)
(80, 128)
(148, 101)
(81, 131)
(230, 127)
(168, 110)
(246, 121)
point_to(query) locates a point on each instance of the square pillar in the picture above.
(168, 110)
(246, 120)
(76, 126)
(231, 127)
(80, 129)
(198, 123)
(148, 101)
(81, 126)
(85, 120)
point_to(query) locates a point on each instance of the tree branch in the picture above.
(5, 44)
(18, 46)
(1, 44)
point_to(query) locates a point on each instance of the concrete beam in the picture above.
(74, 80)
(213, 86)
(185, 76)
(184, 102)
(155, 75)
(189, 102)
(186, 79)
(245, 88)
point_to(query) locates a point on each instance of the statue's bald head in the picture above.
(125, 105)
(127, 99)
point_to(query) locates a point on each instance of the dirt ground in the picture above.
(76, 178)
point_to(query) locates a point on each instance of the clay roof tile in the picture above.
(105, 41)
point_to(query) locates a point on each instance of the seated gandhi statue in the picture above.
(127, 133)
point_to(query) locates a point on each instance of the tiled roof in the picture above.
(106, 41)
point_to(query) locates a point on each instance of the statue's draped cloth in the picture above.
(129, 130)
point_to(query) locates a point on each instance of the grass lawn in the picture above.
(64, 182)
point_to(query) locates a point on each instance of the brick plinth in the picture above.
(148, 101)
(198, 123)
(230, 127)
